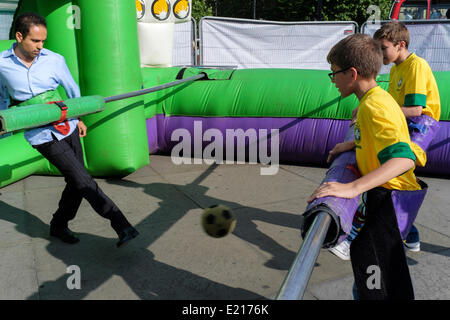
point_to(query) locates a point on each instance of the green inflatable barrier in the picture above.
(6, 44)
(61, 35)
(19, 160)
(260, 93)
(108, 52)
(153, 77)
(247, 93)
(32, 116)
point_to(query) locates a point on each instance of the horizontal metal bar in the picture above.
(153, 89)
(241, 20)
(406, 22)
(296, 281)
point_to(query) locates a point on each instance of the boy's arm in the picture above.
(412, 111)
(341, 147)
(415, 99)
(390, 169)
(390, 144)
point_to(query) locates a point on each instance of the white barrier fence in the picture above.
(268, 44)
(183, 53)
(6, 19)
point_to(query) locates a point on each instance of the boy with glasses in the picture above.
(413, 86)
(386, 162)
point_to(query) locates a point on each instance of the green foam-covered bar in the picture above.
(32, 116)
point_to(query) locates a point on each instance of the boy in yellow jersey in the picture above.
(411, 81)
(386, 162)
(413, 86)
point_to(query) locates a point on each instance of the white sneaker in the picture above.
(412, 246)
(342, 250)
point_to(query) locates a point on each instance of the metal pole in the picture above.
(254, 9)
(153, 89)
(296, 281)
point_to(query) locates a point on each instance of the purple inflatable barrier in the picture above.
(302, 141)
(438, 152)
(344, 170)
(407, 205)
(422, 130)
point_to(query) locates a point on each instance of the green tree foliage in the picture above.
(354, 10)
(201, 9)
(300, 10)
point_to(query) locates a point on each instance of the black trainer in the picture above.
(126, 235)
(64, 234)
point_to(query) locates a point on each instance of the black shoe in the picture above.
(64, 234)
(126, 235)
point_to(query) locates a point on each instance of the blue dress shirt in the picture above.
(48, 71)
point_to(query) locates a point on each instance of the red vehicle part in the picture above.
(396, 9)
(398, 4)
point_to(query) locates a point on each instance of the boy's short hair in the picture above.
(25, 21)
(393, 31)
(360, 51)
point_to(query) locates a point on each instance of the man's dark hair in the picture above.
(25, 21)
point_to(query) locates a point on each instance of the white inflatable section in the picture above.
(156, 20)
(163, 11)
(156, 44)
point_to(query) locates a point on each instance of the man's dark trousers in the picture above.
(67, 156)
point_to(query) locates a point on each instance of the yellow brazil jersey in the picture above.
(381, 133)
(412, 83)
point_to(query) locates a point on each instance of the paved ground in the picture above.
(173, 258)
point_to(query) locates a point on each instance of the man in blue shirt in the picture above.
(31, 75)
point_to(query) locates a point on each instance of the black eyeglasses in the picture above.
(332, 74)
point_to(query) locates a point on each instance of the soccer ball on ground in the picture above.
(218, 221)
